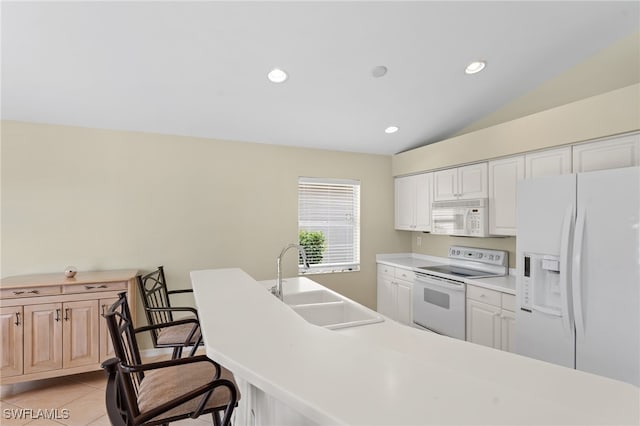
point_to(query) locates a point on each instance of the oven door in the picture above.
(439, 305)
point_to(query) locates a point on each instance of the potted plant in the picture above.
(314, 245)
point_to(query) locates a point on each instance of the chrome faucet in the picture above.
(276, 290)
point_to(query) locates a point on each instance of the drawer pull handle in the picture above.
(17, 318)
(17, 293)
(66, 314)
(104, 310)
(33, 292)
(91, 287)
(57, 315)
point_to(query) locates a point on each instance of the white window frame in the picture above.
(343, 249)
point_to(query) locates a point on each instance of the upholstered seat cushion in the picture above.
(165, 384)
(177, 334)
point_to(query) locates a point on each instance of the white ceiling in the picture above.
(199, 68)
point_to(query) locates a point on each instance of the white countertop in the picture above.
(387, 373)
(413, 261)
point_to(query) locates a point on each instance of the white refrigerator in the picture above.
(578, 263)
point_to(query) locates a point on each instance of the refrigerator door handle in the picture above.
(576, 272)
(565, 262)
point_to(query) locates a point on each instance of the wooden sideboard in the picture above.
(52, 326)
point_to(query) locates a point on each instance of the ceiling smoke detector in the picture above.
(379, 71)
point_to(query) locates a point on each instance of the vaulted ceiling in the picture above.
(200, 68)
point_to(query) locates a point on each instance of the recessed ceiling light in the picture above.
(475, 67)
(391, 129)
(277, 75)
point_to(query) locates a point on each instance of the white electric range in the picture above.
(439, 290)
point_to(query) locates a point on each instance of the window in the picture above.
(329, 224)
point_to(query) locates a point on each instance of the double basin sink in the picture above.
(330, 310)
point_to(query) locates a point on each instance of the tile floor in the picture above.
(79, 400)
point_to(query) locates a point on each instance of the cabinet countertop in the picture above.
(413, 261)
(387, 373)
(58, 278)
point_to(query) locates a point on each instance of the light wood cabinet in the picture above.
(42, 337)
(11, 336)
(413, 197)
(490, 318)
(395, 293)
(80, 333)
(458, 183)
(53, 326)
(612, 153)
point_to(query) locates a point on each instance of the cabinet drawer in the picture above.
(509, 302)
(405, 274)
(484, 295)
(9, 293)
(386, 270)
(93, 287)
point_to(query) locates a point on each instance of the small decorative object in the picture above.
(70, 271)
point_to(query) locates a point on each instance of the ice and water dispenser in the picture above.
(541, 283)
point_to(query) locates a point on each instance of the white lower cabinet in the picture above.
(490, 318)
(395, 293)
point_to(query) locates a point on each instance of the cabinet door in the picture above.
(445, 184)
(80, 333)
(106, 345)
(611, 153)
(404, 302)
(507, 331)
(550, 162)
(42, 337)
(503, 190)
(386, 297)
(483, 324)
(472, 181)
(405, 199)
(11, 332)
(423, 200)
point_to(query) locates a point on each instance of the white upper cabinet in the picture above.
(503, 186)
(550, 162)
(623, 151)
(461, 182)
(413, 197)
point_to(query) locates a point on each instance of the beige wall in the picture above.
(99, 199)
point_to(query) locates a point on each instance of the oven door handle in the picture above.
(440, 282)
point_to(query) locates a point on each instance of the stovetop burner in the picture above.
(458, 271)
(470, 262)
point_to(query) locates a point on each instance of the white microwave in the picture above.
(468, 218)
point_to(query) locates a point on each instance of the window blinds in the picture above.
(332, 207)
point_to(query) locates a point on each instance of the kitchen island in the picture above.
(384, 373)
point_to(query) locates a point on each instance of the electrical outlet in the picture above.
(419, 241)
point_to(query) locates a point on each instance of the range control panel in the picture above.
(491, 257)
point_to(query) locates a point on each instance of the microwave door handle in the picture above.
(466, 227)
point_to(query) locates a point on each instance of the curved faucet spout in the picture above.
(277, 289)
